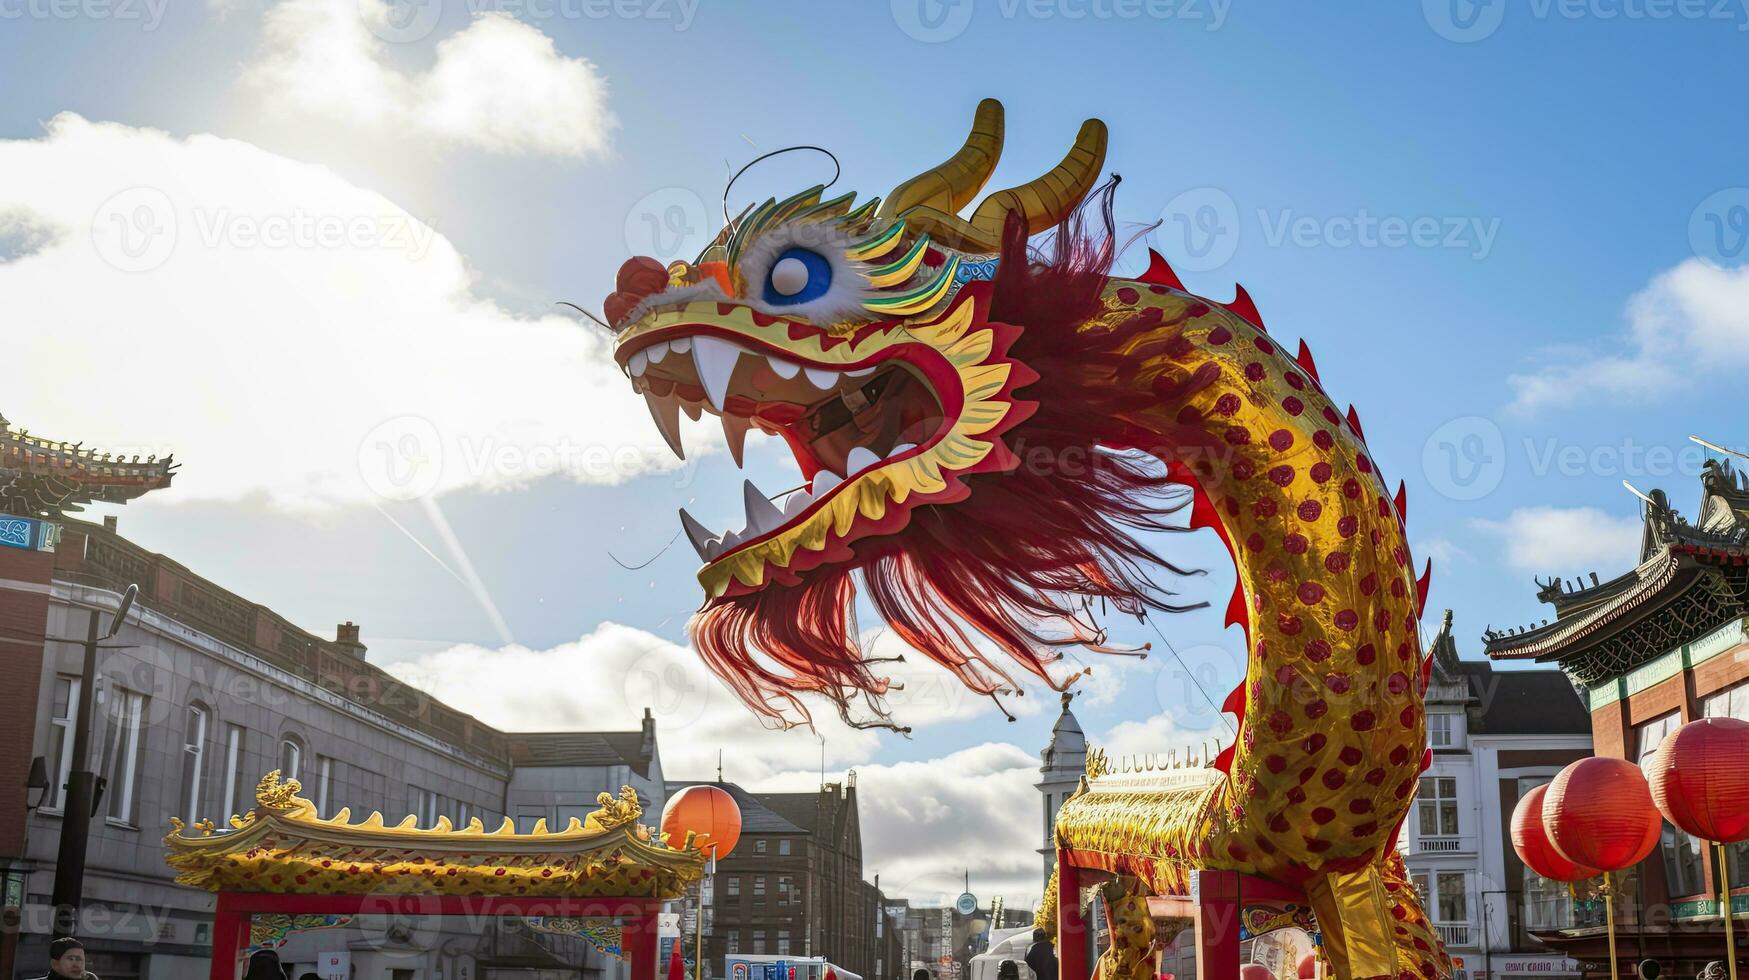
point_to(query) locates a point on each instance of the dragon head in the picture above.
(870, 338)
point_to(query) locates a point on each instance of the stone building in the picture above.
(205, 692)
(1652, 648)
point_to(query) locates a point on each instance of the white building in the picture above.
(1064, 762)
(1495, 734)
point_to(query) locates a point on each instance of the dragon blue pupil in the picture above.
(797, 276)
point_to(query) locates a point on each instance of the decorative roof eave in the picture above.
(1135, 822)
(282, 846)
(1544, 642)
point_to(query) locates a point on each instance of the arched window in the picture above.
(291, 758)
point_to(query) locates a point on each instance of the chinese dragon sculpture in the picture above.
(984, 420)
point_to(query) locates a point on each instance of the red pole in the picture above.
(643, 942)
(230, 934)
(1071, 929)
(1217, 924)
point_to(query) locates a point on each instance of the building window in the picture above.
(1732, 702)
(426, 807)
(1438, 807)
(758, 941)
(234, 788)
(121, 756)
(324, 784)
(734, 886)
(66, 708)
(783, 846)
(1439, 731)
(291, 758)
(734, 942)
(1684, 854)
(759, 846)
(193, 761)
(759, 888)
(527, 817)
(783, 942)
(1452, 905)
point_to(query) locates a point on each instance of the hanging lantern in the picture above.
(1308, 967)
(1700, 781)
(710, 813)
(1255, 971)
(1531, 840)
(1599, 814)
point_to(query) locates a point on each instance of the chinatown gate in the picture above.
(282, 868)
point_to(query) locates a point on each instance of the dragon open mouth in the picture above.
(839, 422)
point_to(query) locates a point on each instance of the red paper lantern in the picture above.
(1700, 779)
(1531, 840)
(710, 813)
(1599, 814)
(1255, 971)
(1308, 967)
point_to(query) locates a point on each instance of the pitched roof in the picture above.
(534, 749)
(756, 817)
(1524, 702)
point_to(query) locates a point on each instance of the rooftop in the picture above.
(49, 477)
(1506, 702)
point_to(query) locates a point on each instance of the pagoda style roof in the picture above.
(283, 847)
(46, 477)
(1692, 577)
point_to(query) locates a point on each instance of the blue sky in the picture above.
(1512, 234)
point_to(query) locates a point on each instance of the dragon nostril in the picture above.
(639, 277)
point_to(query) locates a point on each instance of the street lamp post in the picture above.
(76, 811)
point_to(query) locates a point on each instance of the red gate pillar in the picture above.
(1071, 927)
(230, 935)
(642, 935)
(1217, 925)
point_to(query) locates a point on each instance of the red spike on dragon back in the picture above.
(976, 424)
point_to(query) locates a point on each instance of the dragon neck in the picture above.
(1331, 729)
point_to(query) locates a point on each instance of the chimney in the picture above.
(346, 638)
(109, 523)
(648, 748)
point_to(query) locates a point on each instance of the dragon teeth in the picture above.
(762, 514)
(821, 378)
(665, 411)
(860, 459)
(735, 433)
(714, 359)
(703, 541)
(637, 363)
(901, 449)
(824, 481)
(782, 368)
(656, 351)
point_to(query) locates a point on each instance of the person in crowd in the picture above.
(1042, 956)
(1008, 970)
(919, 974)
(264, 965)
(67, 960)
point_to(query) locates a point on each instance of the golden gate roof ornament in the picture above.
(283, 846)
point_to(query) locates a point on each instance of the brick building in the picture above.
(794, 885)
(1655, 647)
(207, 693)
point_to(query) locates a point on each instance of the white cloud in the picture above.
(286, 333)
(1443, 551)
(926, 822)
(498, 84)
(1692, 317)
(1563, 539)
(922, 821)
(1164, 733)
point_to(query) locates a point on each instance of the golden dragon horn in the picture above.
(1048, 200)
(951, 185)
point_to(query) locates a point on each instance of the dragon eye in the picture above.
(797, 276)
